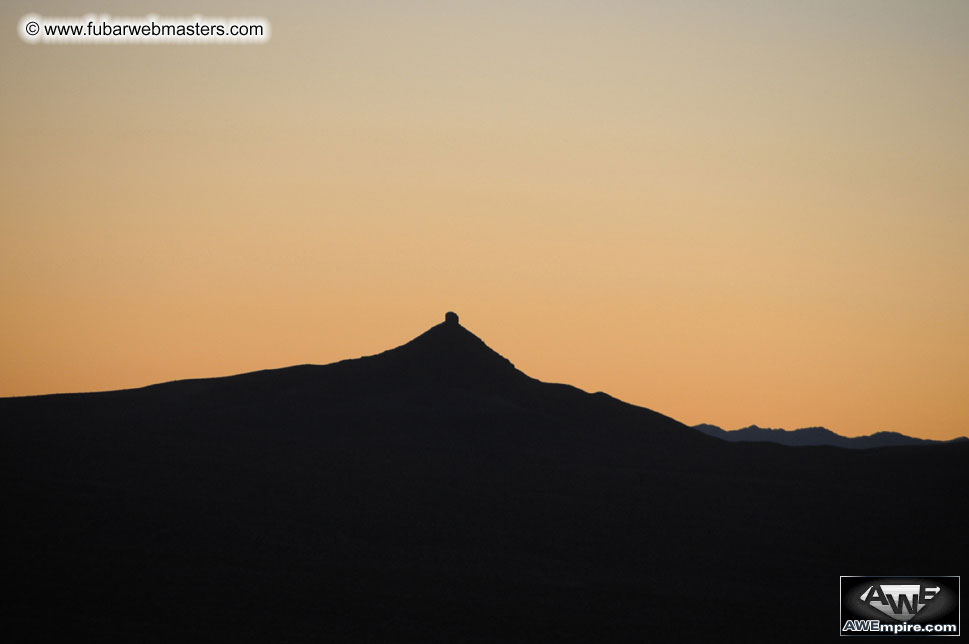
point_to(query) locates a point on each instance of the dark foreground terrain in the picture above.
(434, 493)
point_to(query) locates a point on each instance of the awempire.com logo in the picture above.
(900, 606)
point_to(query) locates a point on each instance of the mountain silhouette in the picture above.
(814, 436)
(434, 492)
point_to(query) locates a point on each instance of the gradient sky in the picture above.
(736, 213)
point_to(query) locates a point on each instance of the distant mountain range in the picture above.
(812, 436)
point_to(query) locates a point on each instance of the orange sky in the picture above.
(732, 213)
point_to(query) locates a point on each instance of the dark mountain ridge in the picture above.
(436, 493)
(815, 436)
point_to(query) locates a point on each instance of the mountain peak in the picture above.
(449, 351)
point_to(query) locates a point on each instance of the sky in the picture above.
(729, 212)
